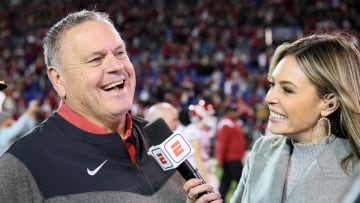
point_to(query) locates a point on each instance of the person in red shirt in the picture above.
(230, 148)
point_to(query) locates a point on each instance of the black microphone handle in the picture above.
(187, 171)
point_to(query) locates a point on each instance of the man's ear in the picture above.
(331, 103)
(57, 80)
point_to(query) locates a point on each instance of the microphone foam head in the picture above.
(157, 131)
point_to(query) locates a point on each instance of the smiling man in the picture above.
(91, 149)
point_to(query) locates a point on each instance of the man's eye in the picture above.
(120, 54)
(95, 59)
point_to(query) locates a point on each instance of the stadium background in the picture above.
(182, 50)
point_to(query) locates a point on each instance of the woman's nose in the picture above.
(270, 97)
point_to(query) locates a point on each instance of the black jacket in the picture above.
(62, 160)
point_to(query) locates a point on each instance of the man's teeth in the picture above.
(112, 85)
(277, 116)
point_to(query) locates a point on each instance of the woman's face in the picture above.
(293, 102)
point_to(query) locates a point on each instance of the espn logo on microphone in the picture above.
(172, 152)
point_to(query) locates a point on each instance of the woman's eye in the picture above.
(287, 90)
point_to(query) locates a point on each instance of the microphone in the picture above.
(171, 149)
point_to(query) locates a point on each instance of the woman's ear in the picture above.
(57, 80)
(331, 103)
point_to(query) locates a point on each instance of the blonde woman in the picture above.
(315, 116)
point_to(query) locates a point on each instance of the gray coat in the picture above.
(264, 174)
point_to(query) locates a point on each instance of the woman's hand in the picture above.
(194, 187)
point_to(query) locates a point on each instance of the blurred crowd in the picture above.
(183, 51)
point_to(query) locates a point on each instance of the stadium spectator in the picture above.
(11, 130)
(165, 111)
(199, 134)
(230, 148)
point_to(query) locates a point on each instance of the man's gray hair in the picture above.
(52, 40)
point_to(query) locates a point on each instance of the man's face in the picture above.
(98, 79)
